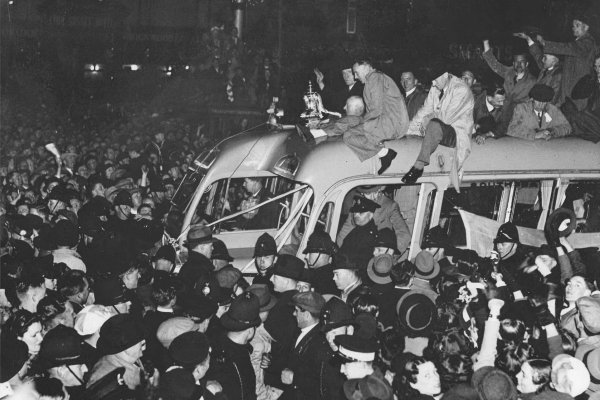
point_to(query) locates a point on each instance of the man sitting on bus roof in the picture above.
(538, 118)
(386, 117)
(446, 118)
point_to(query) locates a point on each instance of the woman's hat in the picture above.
(61, 346)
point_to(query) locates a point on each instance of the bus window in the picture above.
(527, 205)
(482, 198)
(400, 195)
(583, 197)
(227, 197)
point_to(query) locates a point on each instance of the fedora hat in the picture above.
(416, 312)
(379, 269)
(266, 300)
(425, 266)
(243, 313)
(199, 234)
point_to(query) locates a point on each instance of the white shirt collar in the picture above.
(304, 332)
(162, 309)
(410, 91)
(490, 107)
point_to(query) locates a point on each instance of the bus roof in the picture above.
(329, 160)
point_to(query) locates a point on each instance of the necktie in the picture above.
(540, 118)
(441, 94)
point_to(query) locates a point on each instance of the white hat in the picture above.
(89, 320)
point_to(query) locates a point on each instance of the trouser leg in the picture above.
(433, 137)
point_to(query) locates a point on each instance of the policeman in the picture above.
(318, 256)
(360, 242)
(265, 256)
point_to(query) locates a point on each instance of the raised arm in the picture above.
(492, 62)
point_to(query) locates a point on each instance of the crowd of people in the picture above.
(97, 303)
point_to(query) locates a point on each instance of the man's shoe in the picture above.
(412, 176)
(386, 161)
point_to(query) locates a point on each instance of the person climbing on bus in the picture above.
(446, 118)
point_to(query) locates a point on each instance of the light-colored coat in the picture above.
(525, 122)
(455, 108)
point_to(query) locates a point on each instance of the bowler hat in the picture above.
(379, 268)
(507, 232)
(220, 251)
(370, 387)
(344, 261)
(189, 349)
(356, 348)
(320, 242)
(123, 198)
(243, 313)
(289, 266)
(362, 204)
(309, 301)
(119, 333)
(386, 237)
(335, 313)
(109, 291)
(555, 220)
(416, 312)
(425, 266)
(61, 346)
(199, 234)
(265, 299)
(265, 246)
(542, 93)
